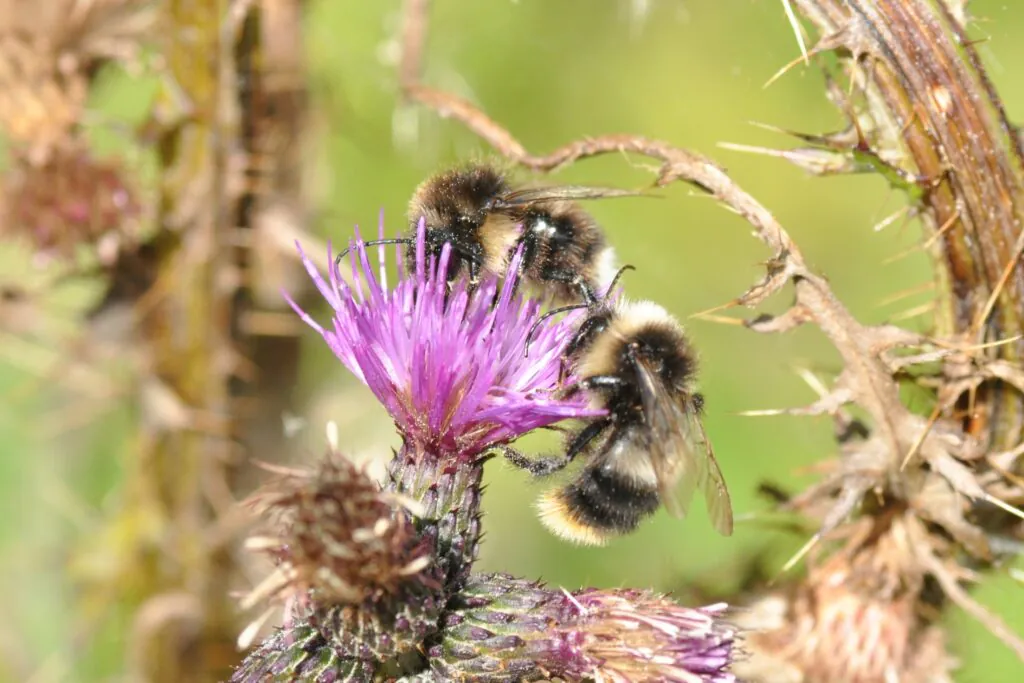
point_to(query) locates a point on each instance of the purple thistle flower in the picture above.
(630, 635)
(447, 362)
(506, 629)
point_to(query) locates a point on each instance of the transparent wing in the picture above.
(681, 454)
(530, 195)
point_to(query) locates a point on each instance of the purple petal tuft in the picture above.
(447, 362)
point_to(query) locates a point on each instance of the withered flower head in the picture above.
(856, 618)
(333, 531)
(71, 199)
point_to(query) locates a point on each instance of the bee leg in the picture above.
(585, 436)
(574, 280)
(588, 329)
(589, 384)
(556, 428)
(563, 370)
(542, 467)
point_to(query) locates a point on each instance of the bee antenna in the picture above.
(554, 311)
(615, 280)
(372, 243)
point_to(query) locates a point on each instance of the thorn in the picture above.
(767, 412)
(411, 505)
(910, 291)
(722, 319)
(976, 347)
(889, 220)
(707, 313)
(282, 470)
(574, 601)
(820, 162)
(1018, 247)
(248, 635)
(1004, 506)
(932, 419)
(917, 248)
(332, 434)
(772, 128)
(950, 222)
(813, 382)
(797, 30)
(913, 312)
(797, 557)
(752, 149)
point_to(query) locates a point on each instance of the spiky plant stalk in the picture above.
(186, 334)
(922, 112)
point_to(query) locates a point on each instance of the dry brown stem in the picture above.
(919, 97)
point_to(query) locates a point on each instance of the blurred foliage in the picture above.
(688, 71)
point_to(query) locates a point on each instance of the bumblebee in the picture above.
(485, 220)
(634, 360)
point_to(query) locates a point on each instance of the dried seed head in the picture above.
(336, 533)
(856, 618)
(48, 52)
(69, 200)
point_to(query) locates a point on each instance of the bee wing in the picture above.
(530, 195)
(681, 454)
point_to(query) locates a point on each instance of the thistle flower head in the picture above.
(448, 361)
(505, 628)
(630, 635)
(70, 200)
(333, 531)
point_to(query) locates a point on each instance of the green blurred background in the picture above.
(688, 71)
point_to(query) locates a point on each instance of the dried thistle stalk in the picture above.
(918, 97)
